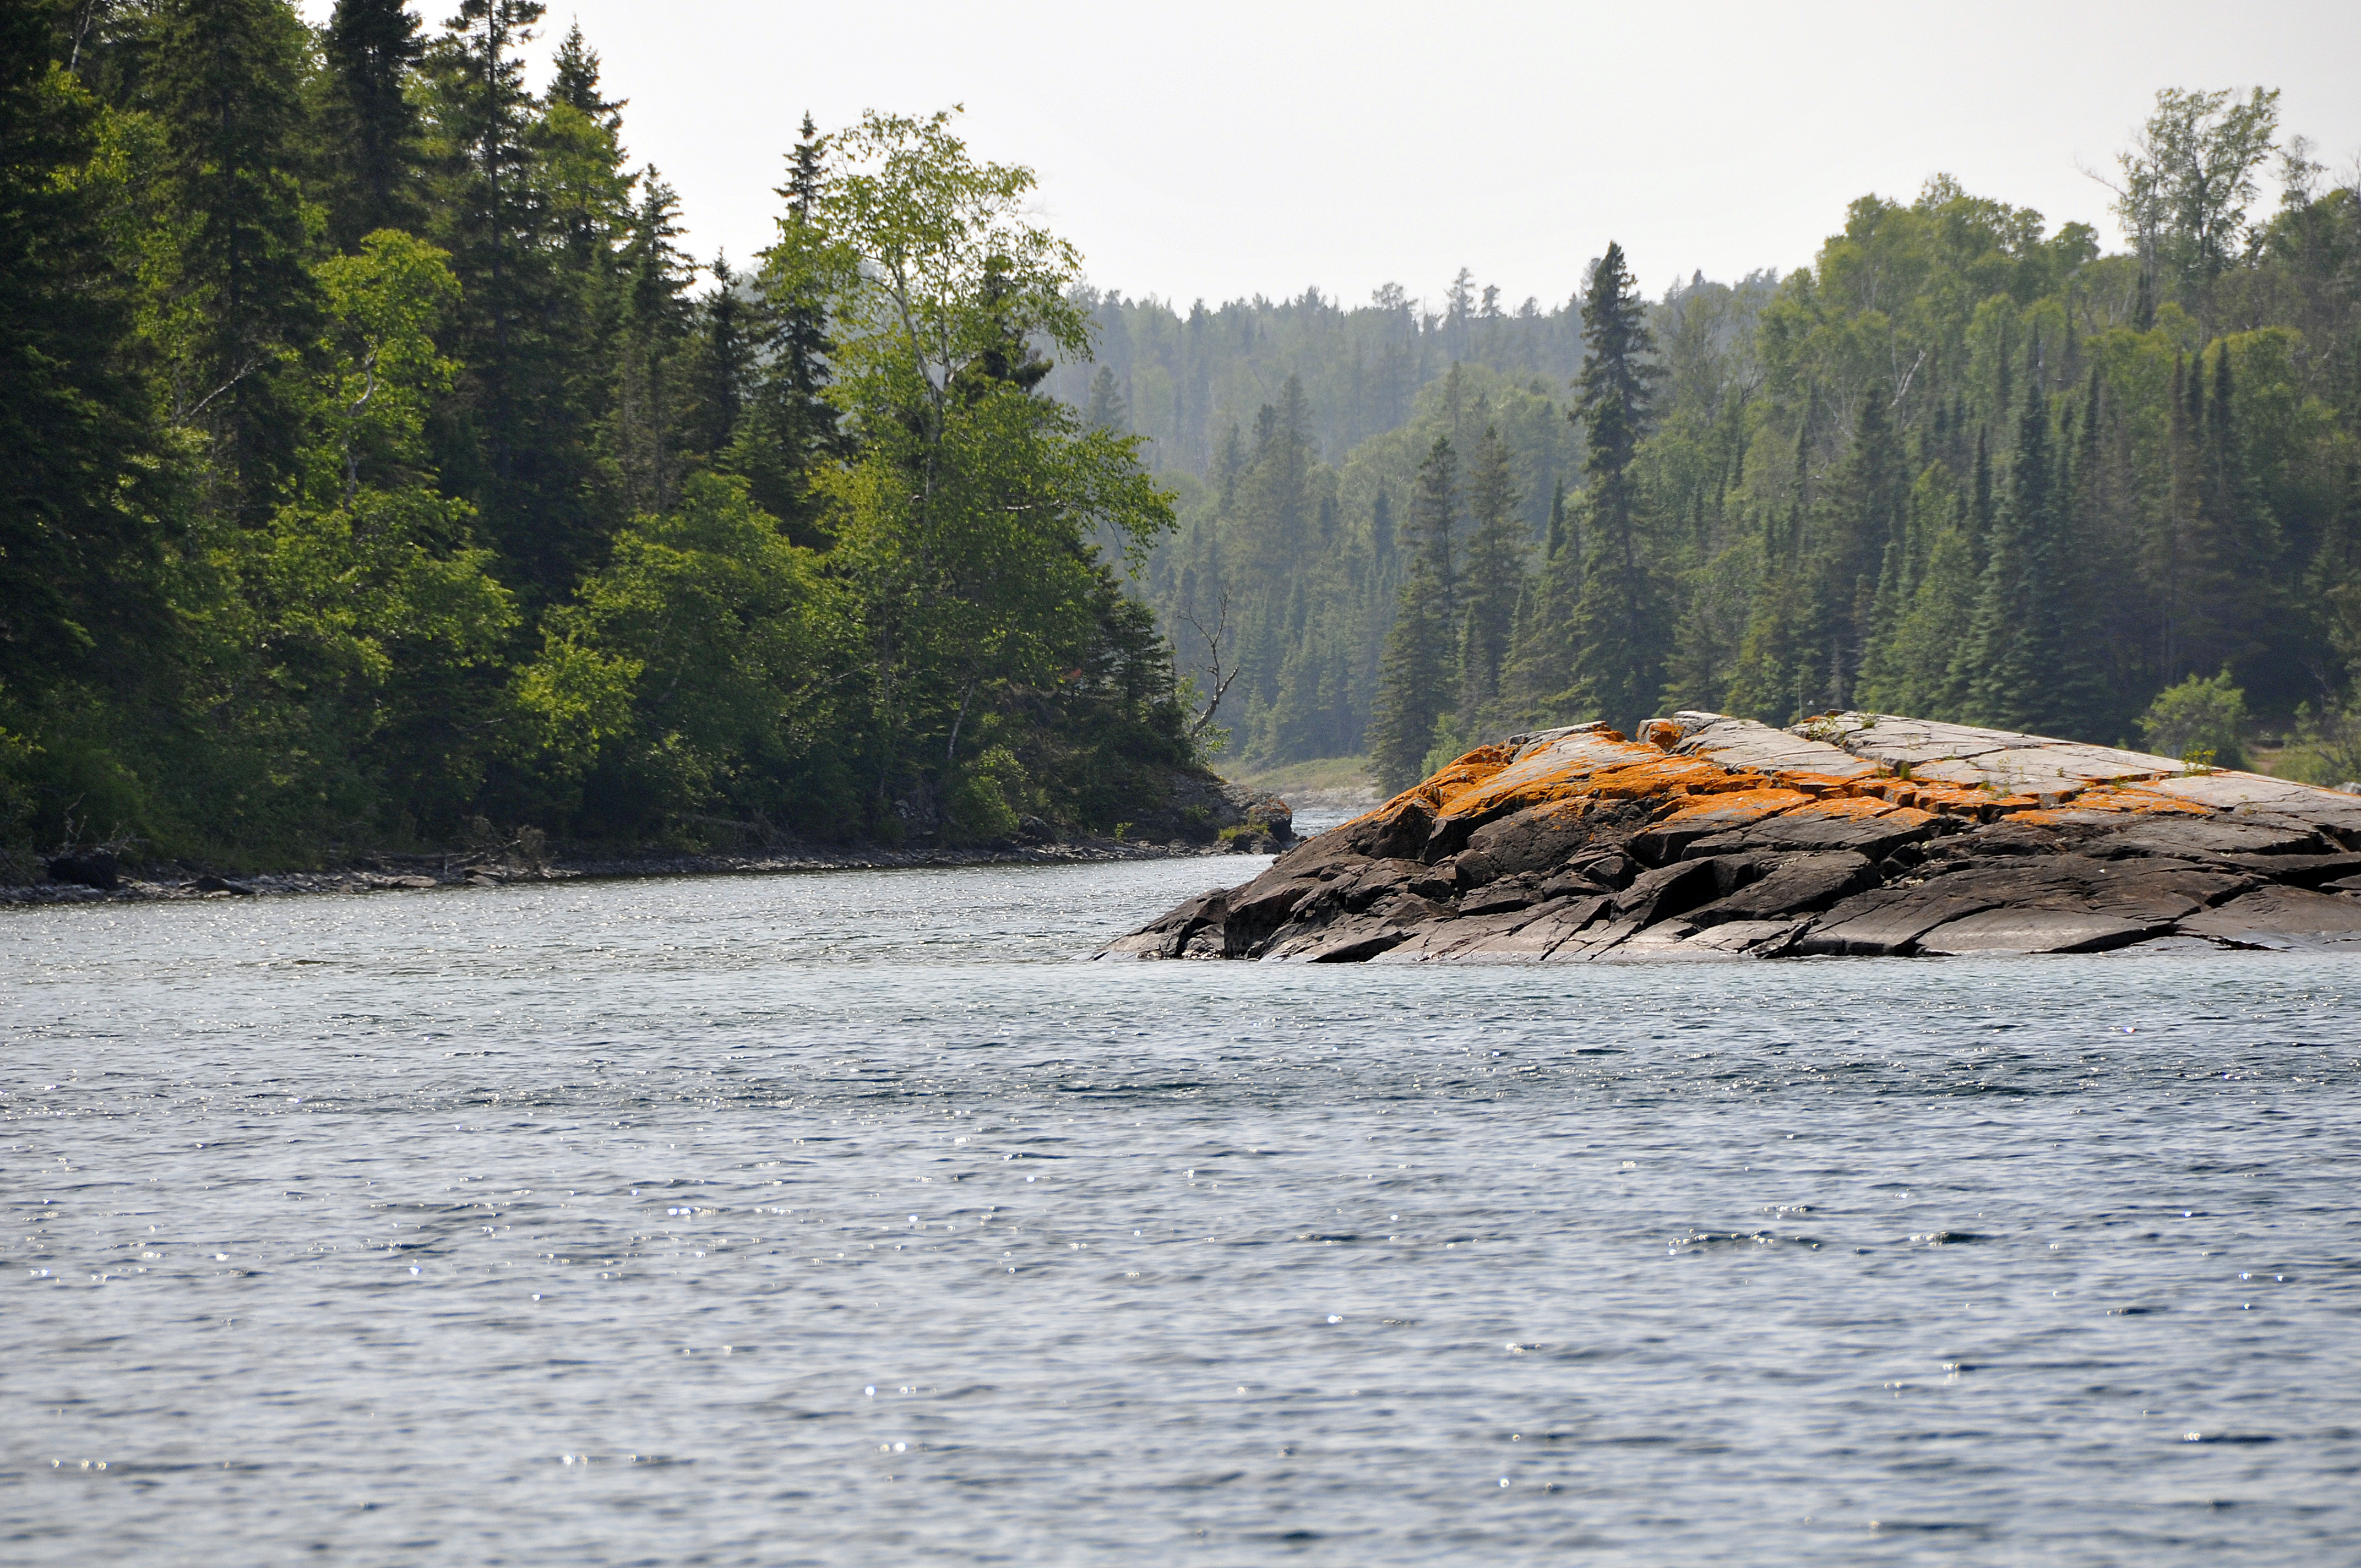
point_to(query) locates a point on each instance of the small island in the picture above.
(1713, 837)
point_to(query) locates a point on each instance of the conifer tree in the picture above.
(789, 424)
(1621, 626)
(370, 131)
(2246, 539)
(1861, 538)
(1435, 523)
(226, 83)
(574, 82)
(535, 346)
(722, 365)
(1496, 546)
(654, 331)
(1105, 408)
(77, 587)
(2015, 631)
(2181, 554)
(1414, 687)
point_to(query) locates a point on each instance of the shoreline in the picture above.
(427, 873)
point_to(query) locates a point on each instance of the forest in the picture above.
(385, 474)
(1961, 467)
(381, 474)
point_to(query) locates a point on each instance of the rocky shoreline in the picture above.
(1265, 825)
(1713, 837)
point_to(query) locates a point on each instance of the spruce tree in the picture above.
(78, 592)
(1622, 625)
(370, 133)
(2015, 631)
(655, 331)
(1862, 538)
(2246, 537)
(1414, 686)
(1105, 408)
(1434, 522)
(2182, 563)
(226, 84)
(1496, 546)
(534, 339)
(789, 424)
(721, 367)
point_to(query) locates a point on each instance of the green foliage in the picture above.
(380, 471)
(688, 676)
(2326, 746)
(984, 796)
(2202, 720)
(1962, 466)
(380, 464)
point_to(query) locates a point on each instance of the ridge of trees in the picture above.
(1961, 467)
(380, 471)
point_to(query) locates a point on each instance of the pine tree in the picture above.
(227, 85)
(2015, 631)
(722, 366)
(78, 593)
(1621, 626)
(535, 336)
(789, 424)
(370, 132)
(1105, 408)
(654, 330)
(1414, 687)
(1497, 547)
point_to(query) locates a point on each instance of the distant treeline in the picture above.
(381, 472)
(1961, 467)
(375, 475)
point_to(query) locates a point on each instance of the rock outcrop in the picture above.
(1856, 833)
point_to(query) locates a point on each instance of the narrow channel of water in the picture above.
(844, 1219)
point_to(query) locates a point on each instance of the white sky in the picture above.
(1219, 149)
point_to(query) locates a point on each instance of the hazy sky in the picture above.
(1219, 149)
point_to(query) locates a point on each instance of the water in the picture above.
(839, 1219)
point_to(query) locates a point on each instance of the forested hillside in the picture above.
(382, 472)
(1960, 466)
(378, 471)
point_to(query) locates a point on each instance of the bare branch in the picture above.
(1212, 641)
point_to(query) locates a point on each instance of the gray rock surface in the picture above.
(1717, 838)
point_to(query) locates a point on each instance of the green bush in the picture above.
(2202, 722)
(2326, 746)
(981, 806)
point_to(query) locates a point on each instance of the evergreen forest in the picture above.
(384, 473)
(1961, 467)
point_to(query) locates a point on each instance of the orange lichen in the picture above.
(1957, 800)
(2124, 799)
(1583, 771)
(1853, 808)
(1834, 785)
(1663, 776)
(1735, 808)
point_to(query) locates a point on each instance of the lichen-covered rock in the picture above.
(1854, 834)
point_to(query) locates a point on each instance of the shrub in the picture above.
(2201, 721)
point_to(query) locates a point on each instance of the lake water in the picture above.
(844, 1219)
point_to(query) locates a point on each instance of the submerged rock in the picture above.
(1864, 834)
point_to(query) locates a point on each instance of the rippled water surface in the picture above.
(843, 1219)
